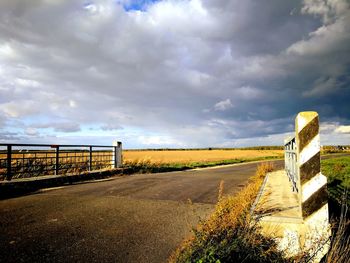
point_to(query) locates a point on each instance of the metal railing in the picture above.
(31, 160)
(290, 160)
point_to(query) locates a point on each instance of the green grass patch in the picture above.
(337, 171)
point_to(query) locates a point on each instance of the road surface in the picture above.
(137, 218)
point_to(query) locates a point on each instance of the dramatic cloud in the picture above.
(172, 73)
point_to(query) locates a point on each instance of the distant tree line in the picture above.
(325, 148)
(211, 148)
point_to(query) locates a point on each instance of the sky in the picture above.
(172, 73)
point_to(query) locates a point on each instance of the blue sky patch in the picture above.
(138, 5)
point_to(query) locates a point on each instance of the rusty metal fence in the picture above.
(31, 160)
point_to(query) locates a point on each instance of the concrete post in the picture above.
(117, 160)
(313, 184)
(301, 223)
(313, 197)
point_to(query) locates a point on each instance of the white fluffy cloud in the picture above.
(223, 105)
(343, 129)
(143, 71)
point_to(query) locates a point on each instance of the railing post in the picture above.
(90, 158)
(9, 161)
(57, 167)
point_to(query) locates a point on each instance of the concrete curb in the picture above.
(236, 164)
(258, 197)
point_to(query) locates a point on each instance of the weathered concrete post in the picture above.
(313, 197)
(117, 157)
(313, 184)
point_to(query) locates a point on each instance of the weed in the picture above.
(221, 190)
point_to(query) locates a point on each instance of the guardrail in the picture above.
(290, 160)
(31, 160)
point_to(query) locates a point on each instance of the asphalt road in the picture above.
(137, 218)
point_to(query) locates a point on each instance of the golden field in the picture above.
(28, 164)
(189, 156)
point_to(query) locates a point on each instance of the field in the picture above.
(196, 156)
(28, 164)
(176, 160)
(337, 171)
(36, 163)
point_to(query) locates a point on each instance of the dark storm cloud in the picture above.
(182, 73)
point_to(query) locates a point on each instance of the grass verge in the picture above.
(147, 166)
(337, 171)
(231, 234)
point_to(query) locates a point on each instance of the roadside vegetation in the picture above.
(148, 166)
(337, 171)
(232, 235)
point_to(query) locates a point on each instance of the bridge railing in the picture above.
(291, 162)
(32, 160)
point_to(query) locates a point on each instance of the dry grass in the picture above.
(28, 164)
(230, 234)
(340, 244)
(183, 156)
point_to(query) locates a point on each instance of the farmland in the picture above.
(31, 163)
(176, 160)
(36, 163)
(192, 156)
